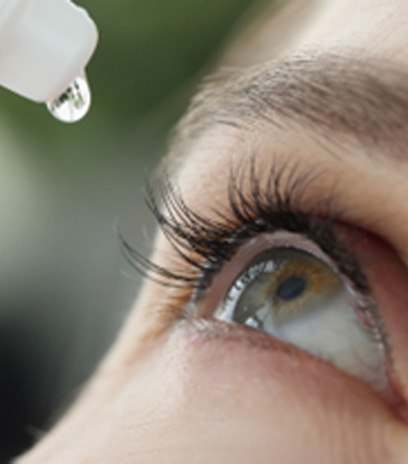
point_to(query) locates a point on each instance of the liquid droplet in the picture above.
(74, 103)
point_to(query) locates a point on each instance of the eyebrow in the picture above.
(328, 93)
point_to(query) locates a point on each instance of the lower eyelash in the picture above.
(258, 202)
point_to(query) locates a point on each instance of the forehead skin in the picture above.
(180, 396)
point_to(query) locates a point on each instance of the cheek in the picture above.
(246, 403)
(206, 398)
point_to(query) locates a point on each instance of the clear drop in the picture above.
(74, 103)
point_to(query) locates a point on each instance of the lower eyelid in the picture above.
(243, 355)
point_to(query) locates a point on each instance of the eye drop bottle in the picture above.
(45, 46)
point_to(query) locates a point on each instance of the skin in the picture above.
(175, 392)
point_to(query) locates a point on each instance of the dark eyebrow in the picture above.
(329, 93)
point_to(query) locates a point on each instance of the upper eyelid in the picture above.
(272, 201)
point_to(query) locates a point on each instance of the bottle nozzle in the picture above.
(44, 48)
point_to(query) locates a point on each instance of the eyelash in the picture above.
(271, 203)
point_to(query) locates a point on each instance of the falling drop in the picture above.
(74, 103)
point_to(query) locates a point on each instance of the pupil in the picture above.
(291, 288)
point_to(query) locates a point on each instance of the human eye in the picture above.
(291, 290)
(266, 262)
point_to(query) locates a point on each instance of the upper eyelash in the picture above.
(272, 202)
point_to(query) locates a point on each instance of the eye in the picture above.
(301, 297)
(267, 262)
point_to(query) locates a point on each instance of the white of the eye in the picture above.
(332, 333)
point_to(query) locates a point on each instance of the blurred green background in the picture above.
(65, 289)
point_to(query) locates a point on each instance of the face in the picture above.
(274, 325)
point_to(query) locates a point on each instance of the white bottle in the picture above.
(44, 48)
